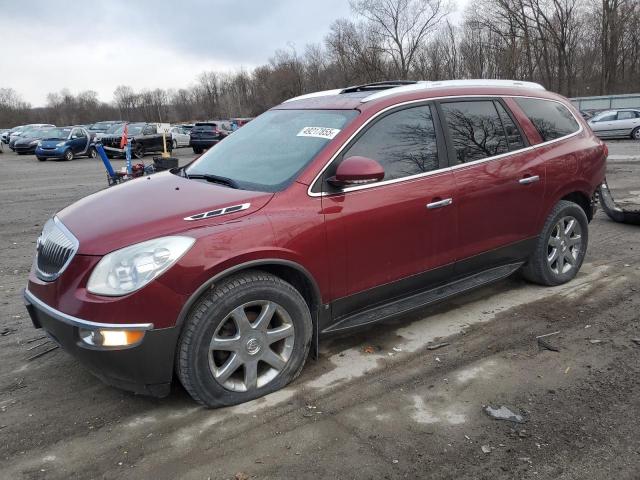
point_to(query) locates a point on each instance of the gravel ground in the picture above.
(378, 404)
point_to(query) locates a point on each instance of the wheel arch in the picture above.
(582, 200)
(289, 271)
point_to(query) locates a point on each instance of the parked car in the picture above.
(145, 138)
(26, 128)
(28, 140)
(205, 135)
(617, 123)
(65, 143)
(99, 129)
(4, 137)
(329, 212)
(180, 136)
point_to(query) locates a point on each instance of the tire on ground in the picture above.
(537, 268)
(192, 356)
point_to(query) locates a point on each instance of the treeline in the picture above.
(574, 47)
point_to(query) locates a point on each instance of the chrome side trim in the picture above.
(218, 212)
(441, 170)
(78, 322)
(528, 180)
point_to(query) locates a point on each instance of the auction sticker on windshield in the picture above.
(319, 132)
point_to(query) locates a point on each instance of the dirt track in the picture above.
(401, 411)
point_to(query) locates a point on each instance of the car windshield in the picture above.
(132, 129)
(270, 151)
(57, 133)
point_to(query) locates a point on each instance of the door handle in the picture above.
(528, 180)
(440, 203)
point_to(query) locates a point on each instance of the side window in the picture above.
(607, 118)
(551, 119)
(476, 129)
(403, 142)
(626, 115)
(514, 138)
(80, 133)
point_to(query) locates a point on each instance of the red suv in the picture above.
(331, 211)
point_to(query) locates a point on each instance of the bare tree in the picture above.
(403, 26)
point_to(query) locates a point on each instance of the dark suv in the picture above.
(329, 212)
(205, 135)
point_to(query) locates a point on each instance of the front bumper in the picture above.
(146, 368)
(52, 153)
(24, 149)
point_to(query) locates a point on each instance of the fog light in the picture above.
(111, 338)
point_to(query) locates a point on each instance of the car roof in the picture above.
(374, 95)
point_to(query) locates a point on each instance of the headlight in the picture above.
(131, 268)
(60, 144)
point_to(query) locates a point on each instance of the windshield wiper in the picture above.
(213, 179)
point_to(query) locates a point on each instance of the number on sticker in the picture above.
(319, 132)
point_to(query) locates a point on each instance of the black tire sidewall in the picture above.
(209, 391)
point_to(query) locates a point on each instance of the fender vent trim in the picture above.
(218, 212)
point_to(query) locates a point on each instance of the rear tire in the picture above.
(561, 246)
(197, 150)
(93, 153)
(636, 133)
(247, 337)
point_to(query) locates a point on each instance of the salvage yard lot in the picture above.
(378, 404)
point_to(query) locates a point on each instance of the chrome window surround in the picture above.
(76, 244)
(218, 212)
(78, 322)
(440, 170)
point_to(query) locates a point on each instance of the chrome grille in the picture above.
(55, 248)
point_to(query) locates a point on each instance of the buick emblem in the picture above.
(253, 346)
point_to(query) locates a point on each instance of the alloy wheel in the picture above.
(565, 245)
(251, 346)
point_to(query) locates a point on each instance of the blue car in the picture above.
(66, 143)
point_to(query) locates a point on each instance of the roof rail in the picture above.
(323, 93)
(453, 83)
(378, 86)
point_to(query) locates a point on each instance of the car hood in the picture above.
(26, 140)
(151, 207)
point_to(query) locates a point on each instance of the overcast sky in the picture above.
(98, 45)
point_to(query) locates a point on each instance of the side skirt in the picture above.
(422, 299)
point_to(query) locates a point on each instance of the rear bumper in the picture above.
(146, 368)
(203, 143)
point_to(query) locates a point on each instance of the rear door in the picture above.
(397, 235)
(627, 121)
(500, 184)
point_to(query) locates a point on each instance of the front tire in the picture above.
(248, 337)
(138, 150)
(41, 159)
(561, 246)
(68, 155)
(197, 150)
(174, 144)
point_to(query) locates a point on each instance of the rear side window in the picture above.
(476, 129)
(551, 119)
(403, 142)
(626, 115)
(514, 137)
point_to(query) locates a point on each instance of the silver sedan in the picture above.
(617, 123)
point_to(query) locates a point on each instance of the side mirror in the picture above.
(354, 171)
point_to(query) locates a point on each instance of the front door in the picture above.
(384, 237)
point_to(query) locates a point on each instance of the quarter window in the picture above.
(475, 129)
(551, 119)
(403, 142)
